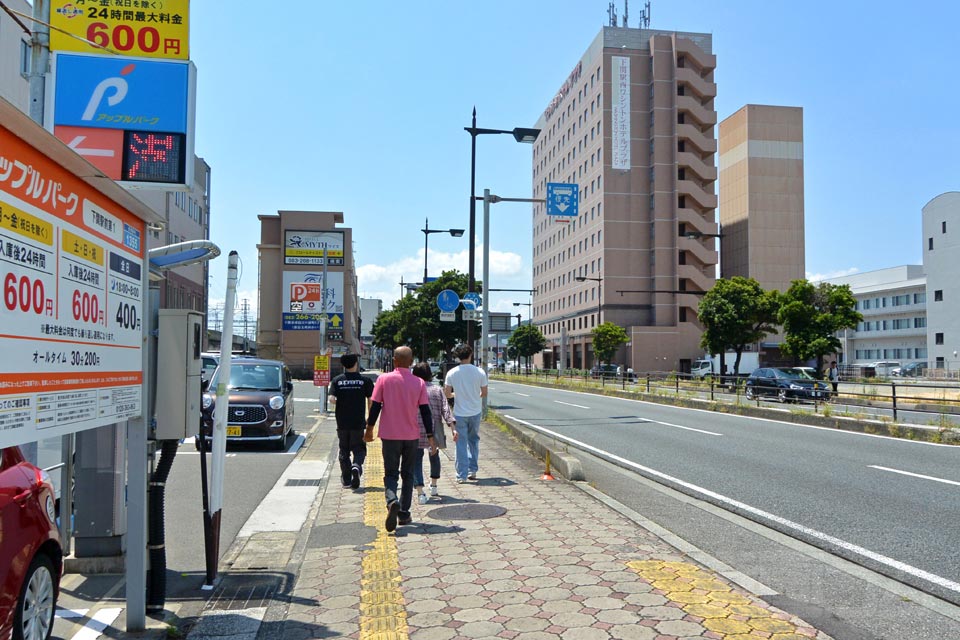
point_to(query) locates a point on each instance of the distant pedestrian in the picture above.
(350, 394)
(400, 396)
(467, 385)
(833, 374)
(440, 410)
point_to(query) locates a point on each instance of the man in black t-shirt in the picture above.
(350, 393)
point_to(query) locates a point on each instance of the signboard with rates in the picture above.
(156, 29)
(321, 371)
(71, 266)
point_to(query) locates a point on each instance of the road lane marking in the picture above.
(914, 475)
(578, 406)
(97, 624)
(525, 395)
(759, 419)
(67, 614)
(677, 426)
(759, 513)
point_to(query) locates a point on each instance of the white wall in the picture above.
(940, 263)
(13, 87)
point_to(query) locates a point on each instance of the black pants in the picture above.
(398, 460)
(351, 442)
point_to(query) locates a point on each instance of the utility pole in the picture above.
(39, 58)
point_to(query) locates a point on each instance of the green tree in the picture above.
(607, 338)
(812, 315)
(527, 340)
(734, 313)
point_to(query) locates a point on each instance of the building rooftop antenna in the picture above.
(612, 14)
(626, 8)
(644, 16)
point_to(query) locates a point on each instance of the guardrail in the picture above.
(925, 397)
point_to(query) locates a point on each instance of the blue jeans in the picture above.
(468, 445)
(418, 467)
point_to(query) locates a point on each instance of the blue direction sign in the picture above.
(474, 298)
(448, 301)
(563, 199)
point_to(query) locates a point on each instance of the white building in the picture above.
(941, 255)
(15, 56)
(370, 309)
(893, 304)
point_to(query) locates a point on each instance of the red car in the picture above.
(31, 559)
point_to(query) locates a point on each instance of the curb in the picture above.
(560, 460)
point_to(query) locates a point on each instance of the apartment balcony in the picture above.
(702, 253)
(703, 88)
(694, 136)
(700, 195)
(692, 161)
(700, 113)
(691, 50)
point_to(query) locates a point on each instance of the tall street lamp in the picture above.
(456, 233)
(520, 134)
(599, 282)
(529, 306)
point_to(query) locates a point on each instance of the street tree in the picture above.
(736, 312)
(812, 315)
(527, 340)
(607, 338)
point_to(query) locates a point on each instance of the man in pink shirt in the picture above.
(397, 398)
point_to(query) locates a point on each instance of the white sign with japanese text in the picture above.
(301, 292)
(306, 247)
(72, 301)
(620, 112)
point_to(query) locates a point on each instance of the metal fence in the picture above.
(917, 401)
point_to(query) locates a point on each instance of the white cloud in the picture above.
(817, 277)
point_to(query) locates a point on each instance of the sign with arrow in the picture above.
(563, 199)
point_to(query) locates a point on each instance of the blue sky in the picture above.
(360, 108)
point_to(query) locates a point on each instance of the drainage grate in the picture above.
(244, 591)
(303, 482)
(467, 512)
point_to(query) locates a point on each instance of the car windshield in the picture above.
(793, 373)
(252, 377)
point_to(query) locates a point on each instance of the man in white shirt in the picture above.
(467, 385)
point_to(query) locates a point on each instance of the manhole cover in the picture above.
(467, 512)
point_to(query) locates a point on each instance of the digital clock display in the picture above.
(154, 157)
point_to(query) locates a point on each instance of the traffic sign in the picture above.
(470, 314)
(448, 300)
(563, 199)
(474, 297)
(448, 317)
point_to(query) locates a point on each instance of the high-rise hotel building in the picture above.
(633, 127)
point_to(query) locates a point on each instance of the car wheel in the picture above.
(751, 395)
(33, 619)
(196, 442)
(782, 395)
(281, 444)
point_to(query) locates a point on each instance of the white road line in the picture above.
(677, 426)
(839, 432)
(762, 515)
(578, 406)
(67, 614)
(914, 475)
(525, 395)
(307, 399)
(97, 624)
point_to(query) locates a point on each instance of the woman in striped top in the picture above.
(440, 410)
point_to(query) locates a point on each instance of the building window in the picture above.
(943, 227)
(938, 338)
(940, 362)
(683, 314)
(919, 298)
(24, 58)
(919, 323)
(938, 295)
(930, 244)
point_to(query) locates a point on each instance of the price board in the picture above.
(71, 266)
(321, 371)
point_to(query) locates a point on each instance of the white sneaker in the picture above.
(423, 499)
(433, 490)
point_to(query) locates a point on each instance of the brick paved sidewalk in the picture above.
(556, 563)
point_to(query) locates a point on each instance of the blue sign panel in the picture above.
(311, 321)
(473, 298)
(563, 199)
(117, 93)
(448, 300)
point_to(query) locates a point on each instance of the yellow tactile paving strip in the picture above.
(383, 612)
(729, 614)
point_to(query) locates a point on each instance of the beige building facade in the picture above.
(761, 195)
(291, 293)
(633, 127)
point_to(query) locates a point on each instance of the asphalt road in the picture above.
(249, 473)
(890, 505)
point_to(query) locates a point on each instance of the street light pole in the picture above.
(599, 282)
(426, 236)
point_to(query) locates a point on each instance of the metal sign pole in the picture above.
(323, 328)
(222, 408)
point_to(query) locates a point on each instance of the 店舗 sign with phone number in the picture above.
(71, 298)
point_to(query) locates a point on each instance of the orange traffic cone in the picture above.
(546, 474)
